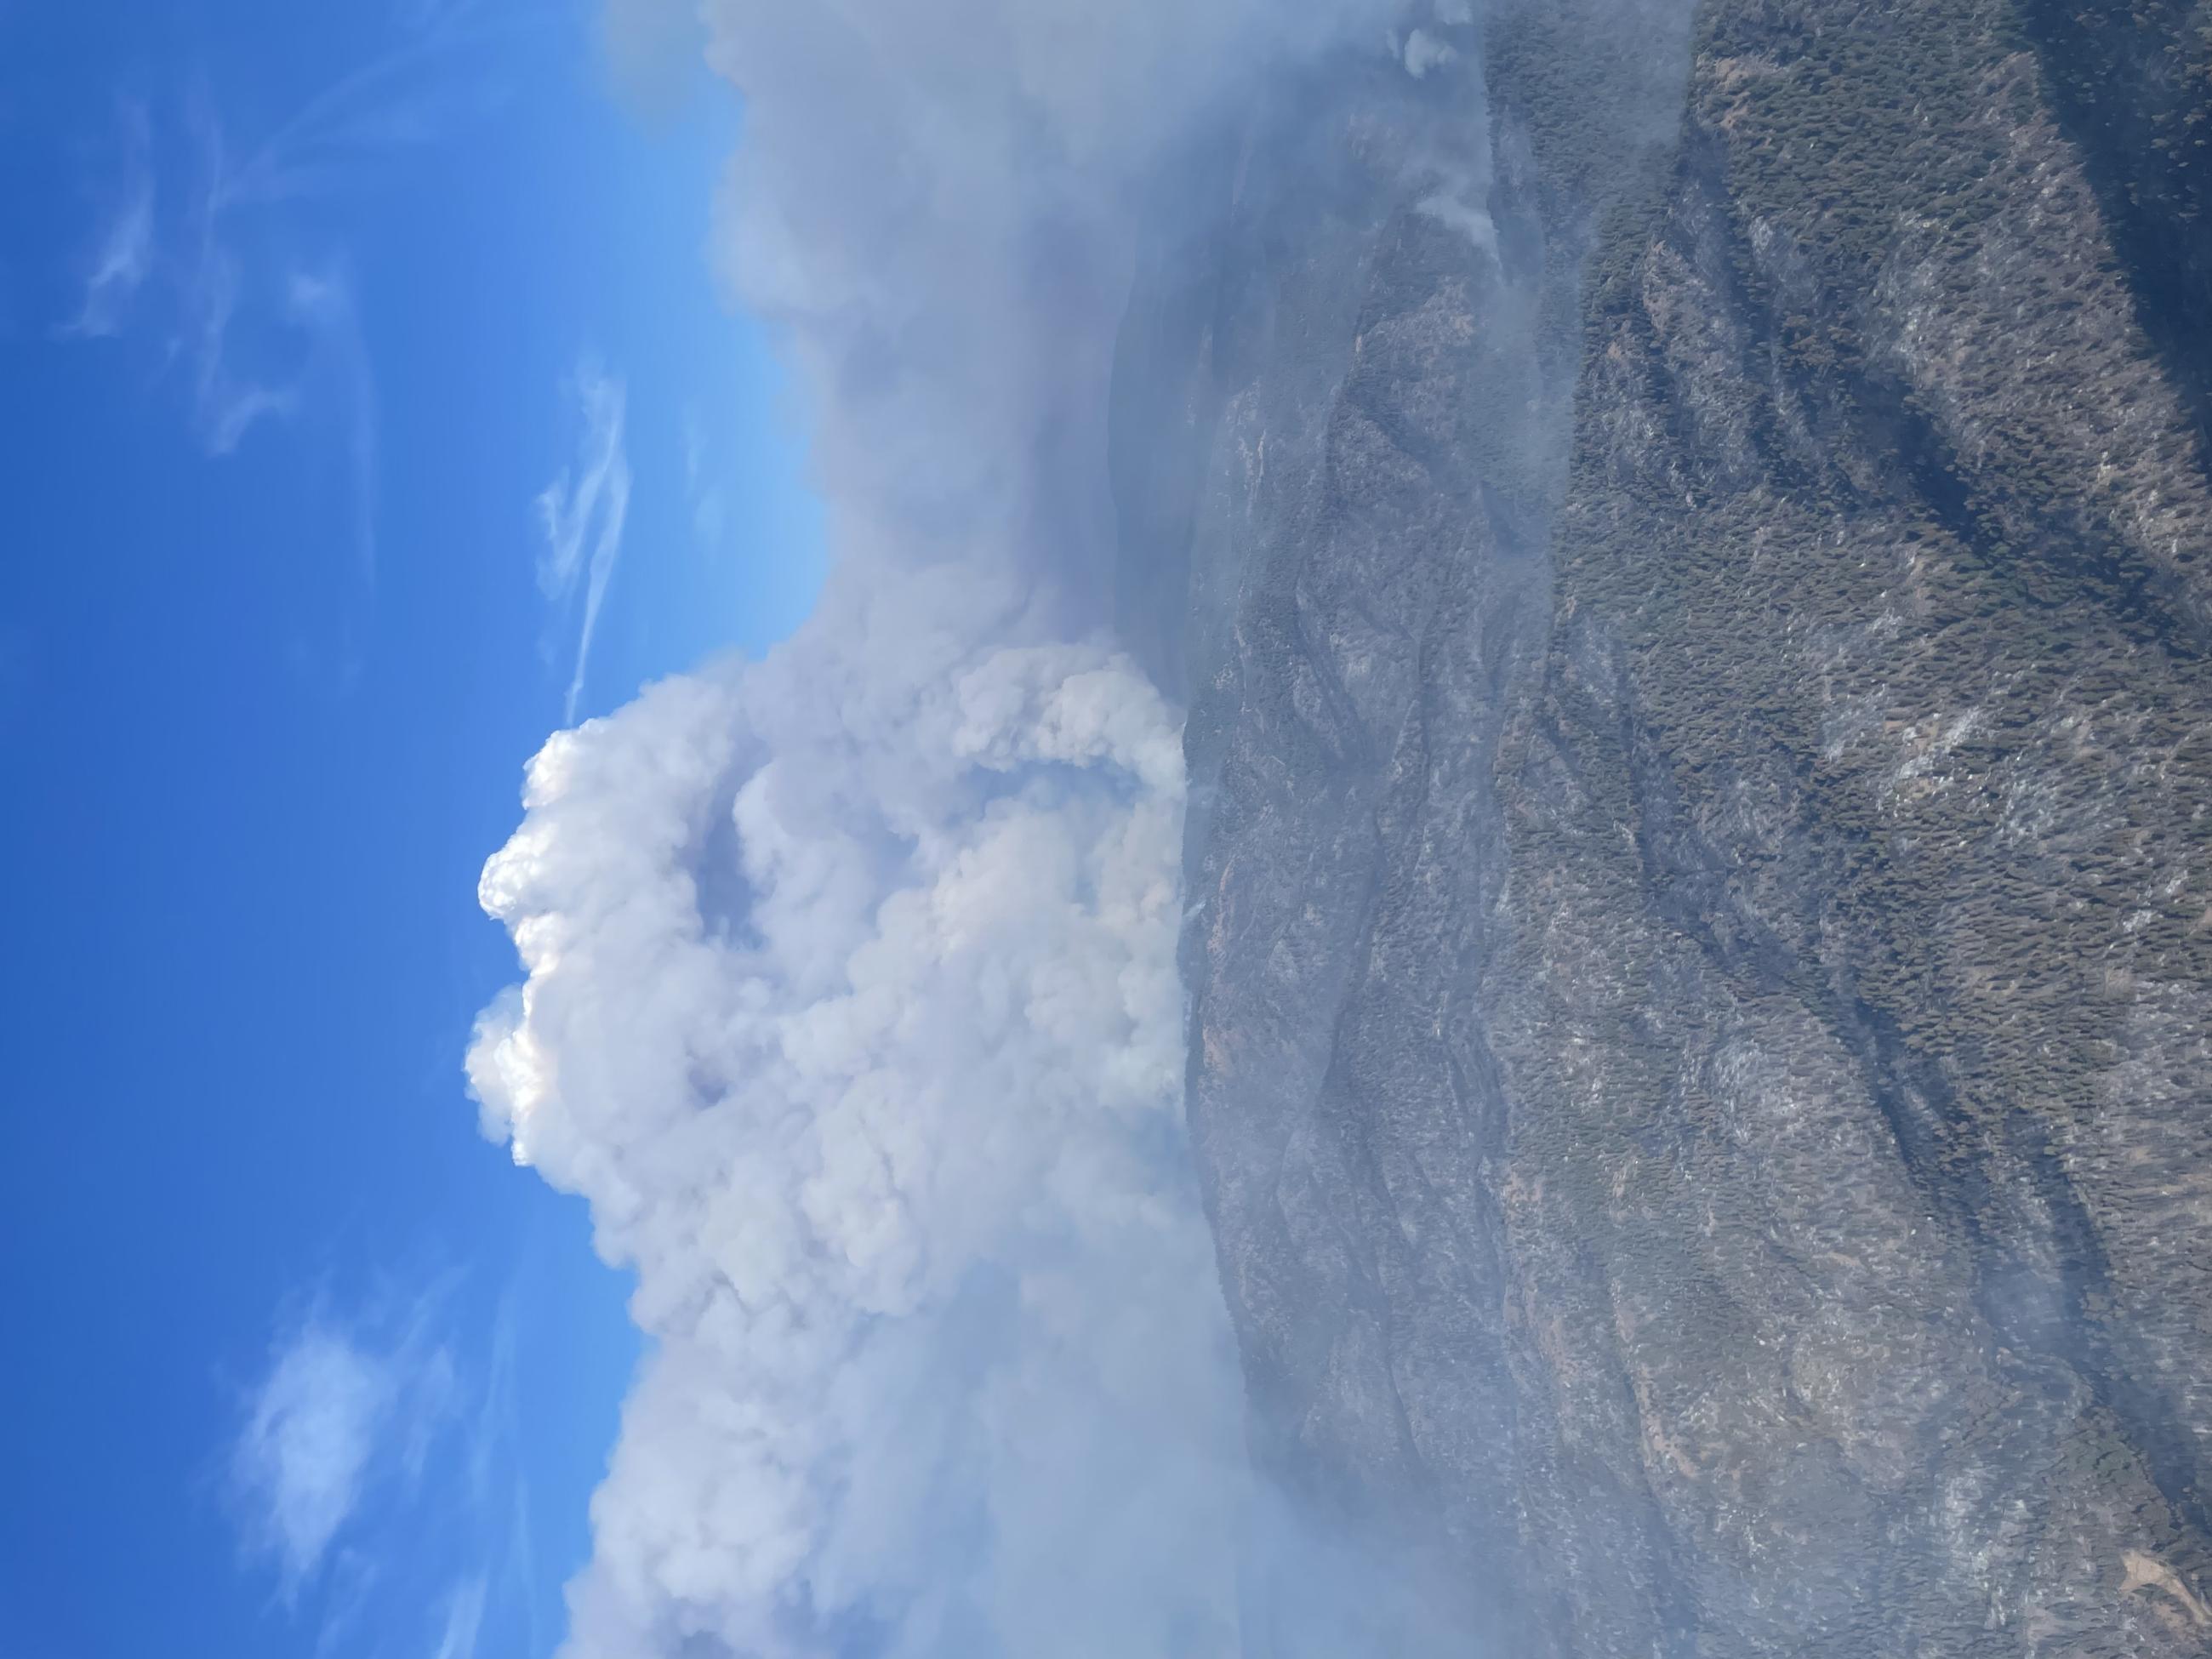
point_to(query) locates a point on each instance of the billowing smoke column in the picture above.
(851, 1003)
(852, 1008)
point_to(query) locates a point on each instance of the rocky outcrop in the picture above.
(1699, 557)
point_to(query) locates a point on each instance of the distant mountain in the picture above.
(1691, 550)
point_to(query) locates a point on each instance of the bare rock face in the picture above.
(1699, 548)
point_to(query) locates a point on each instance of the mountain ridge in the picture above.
(1700, 759)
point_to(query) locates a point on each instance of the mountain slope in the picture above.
(1700, 941)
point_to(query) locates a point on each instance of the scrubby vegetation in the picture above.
(2133, 82)
(1788, 531)
(1889, 512)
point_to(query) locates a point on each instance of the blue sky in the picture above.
(309, 314)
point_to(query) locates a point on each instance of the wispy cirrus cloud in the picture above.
(324, 302)
(123, 252)
(304, 1459)
(582, 513)
(375, 1473)
(223, 248)
(463, 1620)
(702, 486)
(346, 1405)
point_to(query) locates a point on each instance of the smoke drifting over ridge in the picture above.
(938, 205)
(852, 1005)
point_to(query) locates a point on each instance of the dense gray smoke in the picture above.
(852, 1005)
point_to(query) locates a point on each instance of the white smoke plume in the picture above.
(851, 1001)
(936, 201)
(851, 1007)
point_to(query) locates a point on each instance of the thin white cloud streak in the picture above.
(463, 1620)
(710, 515)
(397, 100)
(304, 351)
(125, 256)
(212, 253)
(584, 511)
(324, 304)
(498, 1485)
(226, 401)
(300, 325)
